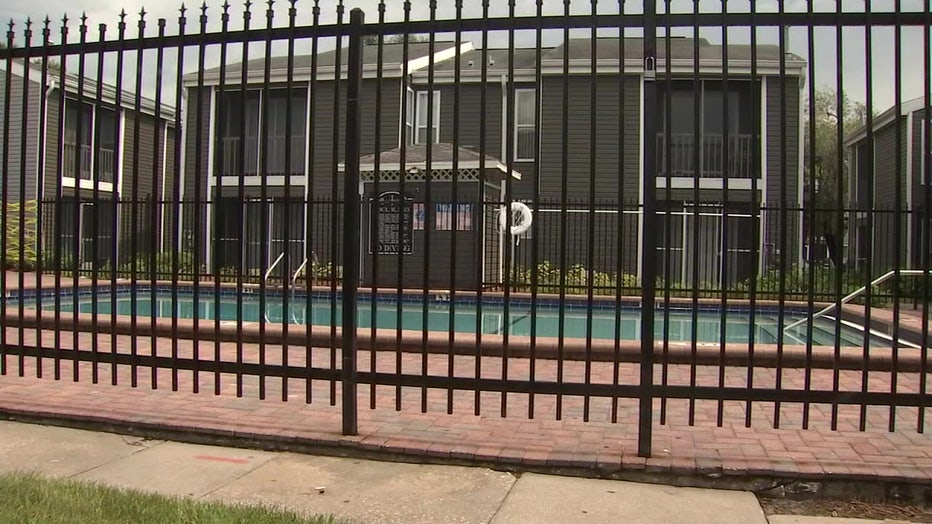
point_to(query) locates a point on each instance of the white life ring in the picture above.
(521, 221)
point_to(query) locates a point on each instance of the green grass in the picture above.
(27, 498)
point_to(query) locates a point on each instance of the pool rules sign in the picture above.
(392, 224)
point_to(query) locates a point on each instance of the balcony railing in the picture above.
(713, 162)
(275, 159)
(82, 158)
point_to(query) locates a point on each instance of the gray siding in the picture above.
(782, 171)
(325, 110)
(194, 195)
(886, 177)
(615, 173)
(52, 141)
(579, 135)
(168, 202)
(142, 172)
(886, 151)
(21, 182)
(918, 196)
(472, 121)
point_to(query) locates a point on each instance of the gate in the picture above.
(589, 211)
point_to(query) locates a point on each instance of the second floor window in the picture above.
(525, 124)
(422, 117)
(717, 114)
(242, 118)
(90, 140)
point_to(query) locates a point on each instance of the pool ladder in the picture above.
(292, 285)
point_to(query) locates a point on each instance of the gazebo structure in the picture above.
(419, 227)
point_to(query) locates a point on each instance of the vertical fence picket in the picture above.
(727, 228)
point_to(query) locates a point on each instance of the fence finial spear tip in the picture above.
(226, 6)
(84, 19)
(204, 8)
(142, 13)
(248, 4)
(47, 21)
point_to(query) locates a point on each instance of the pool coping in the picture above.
(489, 297)
(392, 340)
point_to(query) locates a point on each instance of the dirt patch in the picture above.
(846, 509)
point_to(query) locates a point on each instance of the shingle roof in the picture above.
(606, 48)
(391, 54)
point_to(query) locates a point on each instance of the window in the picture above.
(678, 127)
(96, 129)
(240, 122)
(427, 126)
(410, 111)
(444, 217)
(525, 124)
(279, 134)
(239, 133)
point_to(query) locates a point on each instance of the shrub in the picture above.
(21, 256)
(577, 280)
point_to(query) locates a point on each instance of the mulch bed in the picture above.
(846, 509)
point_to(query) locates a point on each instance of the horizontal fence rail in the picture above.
(630, 215)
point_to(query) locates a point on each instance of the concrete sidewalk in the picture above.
(363, 490)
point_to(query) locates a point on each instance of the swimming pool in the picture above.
(463, 316)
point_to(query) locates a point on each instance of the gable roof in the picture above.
(886, 118)
(500, 60)
(108, 92)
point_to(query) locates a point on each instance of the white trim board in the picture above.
(67, 181)
(684, 182)
(257, 180)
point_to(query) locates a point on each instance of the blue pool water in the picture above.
(464, 317)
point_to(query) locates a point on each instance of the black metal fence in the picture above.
(480, 185)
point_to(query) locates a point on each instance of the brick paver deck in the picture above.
(394, 425)
(610, 448)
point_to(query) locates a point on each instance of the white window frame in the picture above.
(520, 125)
(70, 182)
(422, 106)
(410, 111)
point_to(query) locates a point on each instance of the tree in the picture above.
(396, 39)
(829, 176)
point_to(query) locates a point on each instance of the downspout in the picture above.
(504, 115)
(40, 185)
(909, 190)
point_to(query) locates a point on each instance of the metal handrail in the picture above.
(273, 266)
(266, 277)
(294, 277)
(877, 281)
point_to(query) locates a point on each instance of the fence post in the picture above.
(648, 231)
(351, 255)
